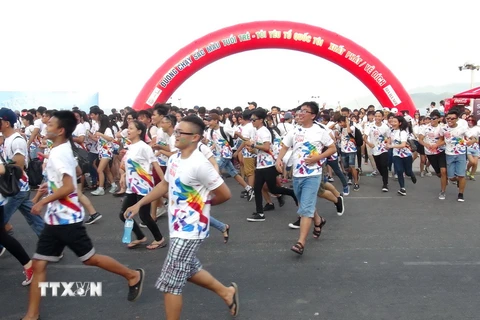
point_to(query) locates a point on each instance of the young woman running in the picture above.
(104, 137)
(472, 150)
(139, 162)
(402, 155)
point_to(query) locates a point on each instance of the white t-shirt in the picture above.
(222, 149)
(284, 128)
(105, 147)
(38, 124)
(163, 139)
(397, 137)
(431, 135)
(307, 142)
(16, 144)
(93, 145)
(138, 168)
(190, 182)
(248, 132)
(377, 135)
(79, 132)
(474, 132)
(455, 143)
(264, 159)
(28, 131)
(67, 210)
(347, 143)
(206, 151)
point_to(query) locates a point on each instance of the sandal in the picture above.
(298, 248)
(226, 234)
(316, 234)
(135, 243)
(157, 244)
(236, 301)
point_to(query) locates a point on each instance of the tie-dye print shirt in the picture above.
(138, 168)
(347, 142)
(455, 139)
(377, 135)
(431, 135)
(105, 147)
(67, 210)
(264, 159)
(307, 142)
(3, 200)
(16, 144)
(397, 137)
(222, 149)
(189, 184)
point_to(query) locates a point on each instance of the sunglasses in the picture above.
(435, 118)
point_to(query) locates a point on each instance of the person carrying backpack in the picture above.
(351, 139)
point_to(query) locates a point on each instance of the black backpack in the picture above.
(224, 135)
(82, 158)
(35, 172)
(357, 136)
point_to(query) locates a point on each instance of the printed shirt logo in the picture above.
(139, 180)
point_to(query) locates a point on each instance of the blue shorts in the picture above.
(456, 165)
(348, 159)
(227, 165)
(473, 152)
(306, 189)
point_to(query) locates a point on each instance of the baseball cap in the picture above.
(253, 103)
(394, 110)
(8, 115)
(469, 108)
(288, 115)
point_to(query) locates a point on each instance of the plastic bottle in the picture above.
(127, 231)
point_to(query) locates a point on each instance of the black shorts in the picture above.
(420, 148)
(438, 161)
(55, 238)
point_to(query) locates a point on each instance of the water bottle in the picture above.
(127, 231)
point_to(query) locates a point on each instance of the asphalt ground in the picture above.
(387, 257)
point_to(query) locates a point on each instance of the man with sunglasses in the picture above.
(456, 142)
(432, 140)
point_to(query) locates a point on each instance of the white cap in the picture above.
(469, 108)
(394, 110)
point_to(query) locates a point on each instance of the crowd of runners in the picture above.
(172, 161)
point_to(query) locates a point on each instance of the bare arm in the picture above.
(221, 194)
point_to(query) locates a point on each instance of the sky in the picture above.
(114, 47)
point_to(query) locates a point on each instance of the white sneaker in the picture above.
(99, 192)
(113, 188)
(2, 251)
(428, 174)
(390, 174)
(422, 174)
(161, 211)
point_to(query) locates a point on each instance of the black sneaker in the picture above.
(414, 179)
(356, 187)
(243, 194)
(340, 206)
(94, 217)
(402, 192)
(385, 188)
(269, 207)
(257, 217)
(250, 195)
(281, 201)
(460, 198)
(295, 225)
(135, 291)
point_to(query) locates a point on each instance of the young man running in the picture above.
(193, 185)
(311, 146)
(64, 217)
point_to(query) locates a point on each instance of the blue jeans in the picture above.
(456, 165)
(306, 189)
(338, 172)
(219, 225)
(92, 157)
(227, 165)
(22, 202)
(402, 165)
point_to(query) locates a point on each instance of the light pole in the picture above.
(472, 67)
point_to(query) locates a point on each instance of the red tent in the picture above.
(472, 94)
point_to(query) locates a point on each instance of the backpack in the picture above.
(10, 180)
(358, 137)
(224, 135)
(35, 172)
(82, 158)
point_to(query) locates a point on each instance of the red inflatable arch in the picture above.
(279, 35)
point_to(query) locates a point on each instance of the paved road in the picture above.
(388, 257)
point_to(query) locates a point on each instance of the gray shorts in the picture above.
(180, 265)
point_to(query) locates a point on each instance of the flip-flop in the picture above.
(135, 243)
(225, 238)
(236, 300)
(161, 244)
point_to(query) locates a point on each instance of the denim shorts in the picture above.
(473, 152)
(227, 165)
(306, 189)
(348, 159)
(456, 165)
